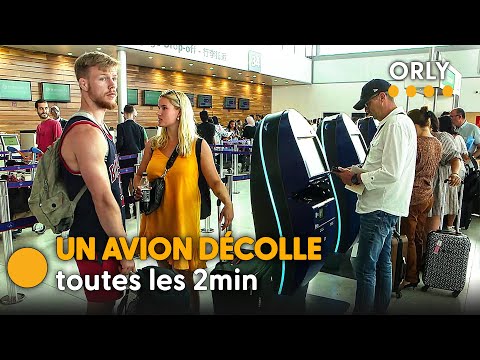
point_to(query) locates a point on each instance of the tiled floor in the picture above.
(328, 294)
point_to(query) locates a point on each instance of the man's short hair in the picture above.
(55, 109)
(460, 112)
(204, 115)
(40, 101)
(128, 109)
(94, 58)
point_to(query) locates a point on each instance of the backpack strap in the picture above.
(77, 197)
(90, 117)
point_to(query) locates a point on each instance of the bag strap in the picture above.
(77, 197)
(170, 161)
(122, 306)
(90, 117)
(198, 153)
(376, 134)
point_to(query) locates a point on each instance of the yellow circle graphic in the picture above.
(411, 91)
(428, 91)
(447, 90)
(393, 91)
(27, 267)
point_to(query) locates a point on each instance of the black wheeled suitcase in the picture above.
(155, 301)
(446, 258)
(399, 261)
(471, 193)
(247, 299)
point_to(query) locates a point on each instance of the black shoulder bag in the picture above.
(158, 188)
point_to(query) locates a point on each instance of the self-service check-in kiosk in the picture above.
(344, 146)
(7, 140)
(368, 127)
(151, 131)
(28, 139)
(291, 194)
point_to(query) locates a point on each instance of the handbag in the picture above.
(158, 188)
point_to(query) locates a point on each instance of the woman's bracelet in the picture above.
(456, 175)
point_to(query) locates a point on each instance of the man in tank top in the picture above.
(89, 158)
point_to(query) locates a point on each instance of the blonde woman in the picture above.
(179, 212)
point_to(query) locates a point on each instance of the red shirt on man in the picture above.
(47, 132)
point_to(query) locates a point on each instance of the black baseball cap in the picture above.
(370, 89)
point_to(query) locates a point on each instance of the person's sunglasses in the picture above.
(171, 91)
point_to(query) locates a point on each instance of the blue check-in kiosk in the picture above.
(291, 194)
(6, 141)
(368, 127)
(344, 146)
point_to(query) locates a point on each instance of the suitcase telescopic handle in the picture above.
(444, 200)
(460, 203)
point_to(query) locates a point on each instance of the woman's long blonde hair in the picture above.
(187, 129)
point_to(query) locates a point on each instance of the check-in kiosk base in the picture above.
(291, 197)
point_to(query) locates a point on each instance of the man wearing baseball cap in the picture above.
(385, 183)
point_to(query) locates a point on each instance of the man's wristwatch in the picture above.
(355, 179)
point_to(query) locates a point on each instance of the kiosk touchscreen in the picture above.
(344, 146)
(291, 195)
(9, 140)
(151, 131)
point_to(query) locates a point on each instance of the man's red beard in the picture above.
(109, 105)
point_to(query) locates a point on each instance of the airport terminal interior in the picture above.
(283, 184)
(328, 293)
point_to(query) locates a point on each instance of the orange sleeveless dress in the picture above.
(179, 212)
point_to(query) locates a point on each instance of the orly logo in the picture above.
(418, 70)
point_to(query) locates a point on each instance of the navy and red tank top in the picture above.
(86, 222)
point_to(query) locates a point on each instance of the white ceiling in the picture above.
(141, 58)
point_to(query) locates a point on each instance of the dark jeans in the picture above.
(373, 266)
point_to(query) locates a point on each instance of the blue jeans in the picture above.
(373, 266)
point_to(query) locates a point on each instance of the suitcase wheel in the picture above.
(425, 288)
(455, 293)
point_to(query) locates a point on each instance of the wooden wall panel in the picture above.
(16, 64)
(472, 116)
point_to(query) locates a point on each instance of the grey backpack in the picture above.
(49, 201)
